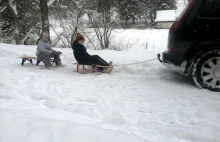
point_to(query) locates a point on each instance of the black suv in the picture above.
(194, 44)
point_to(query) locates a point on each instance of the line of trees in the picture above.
(21, 18)
(18, 18)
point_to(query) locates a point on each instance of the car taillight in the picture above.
(177, 23)
(171, 49)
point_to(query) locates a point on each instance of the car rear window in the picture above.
(211, 8)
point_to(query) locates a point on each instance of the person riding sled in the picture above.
(84, 58)
(45, 51)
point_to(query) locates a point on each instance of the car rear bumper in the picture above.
(173, 62)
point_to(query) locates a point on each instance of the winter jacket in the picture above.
(44, 46)
(80, 53)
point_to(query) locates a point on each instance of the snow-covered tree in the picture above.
(6, 24)
(44, 16)
(29, 17)
(10, 24)
(18, 17)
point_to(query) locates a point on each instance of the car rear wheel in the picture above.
(206, 71)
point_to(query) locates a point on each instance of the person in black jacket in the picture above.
(82, 57)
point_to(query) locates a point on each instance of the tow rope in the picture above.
(67, 57)
(140, 62)
(71, 59)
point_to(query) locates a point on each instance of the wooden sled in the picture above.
(30, 59)
(94, 69)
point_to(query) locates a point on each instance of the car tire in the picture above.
(206, 71)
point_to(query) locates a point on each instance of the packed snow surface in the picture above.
(141, 103)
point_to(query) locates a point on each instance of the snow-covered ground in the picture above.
(140, 103)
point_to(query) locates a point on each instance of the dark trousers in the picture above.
(46, 56)
(94, 60)
(57, 59)
(97, 60)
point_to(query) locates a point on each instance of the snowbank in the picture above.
(134, 39)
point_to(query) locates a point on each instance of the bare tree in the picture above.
(69, 14)
(80, 9)
(103, 27)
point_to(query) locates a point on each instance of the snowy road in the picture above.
(138, 103)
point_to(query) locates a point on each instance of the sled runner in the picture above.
(108, 69)
(30, 59)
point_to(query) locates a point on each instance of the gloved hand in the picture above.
(59, 53)
(56, 52)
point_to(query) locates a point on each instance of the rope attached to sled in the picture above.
(71, 59)
(140, 62)
(67, 57)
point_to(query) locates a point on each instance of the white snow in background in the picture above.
(49, 3)
(14, 8)
(139, 40)
(145, 102)
(16, 31)
(181, 4)
(132, 39)
(56, 32)
(166, 15)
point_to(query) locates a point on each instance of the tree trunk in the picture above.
(133, 20)
(126, 21)
(17, 37)
(44, 16)
(151, 18)
(89, 15)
